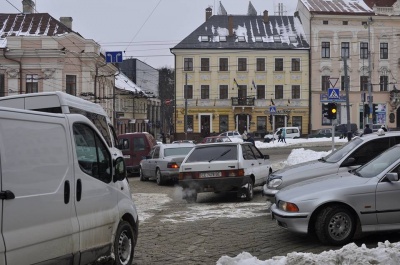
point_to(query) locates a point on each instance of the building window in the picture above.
(223, 123)
(190, 123)
(383, 83)
(242, 91)
(295, 91)
(223, 91)
(363, 83)
(325, 22)
(70, 84)
(205, 91)
(345, 22)
(242, 64)
(364, 50)
(326, 49)
(278, 64)
(205, 64)
(342, 82)
(260, 64)
(325, 82)
(345, 50)
(188, 64)
(261, 123)
(279, 92)
(295, 64)
(260, 92)
(384, 50)
(325, 120)
(2, 85)
(188, 92)
(223, 64)
(32, 83)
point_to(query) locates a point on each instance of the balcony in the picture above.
(243, 101)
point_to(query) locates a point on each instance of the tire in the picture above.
(159, 179)
(124, 244)
(335, 225)
(141, 177)
(249, 191)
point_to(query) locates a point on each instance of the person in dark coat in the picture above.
(367, 130)
(164, 139)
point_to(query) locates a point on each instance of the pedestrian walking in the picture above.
(164, 139)
(279, 133)
(367, 130)
(283, 135)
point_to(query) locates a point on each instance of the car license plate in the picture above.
(210, 174)
(127, 156)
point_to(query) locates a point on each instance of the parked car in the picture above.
(342, 128)
(215, 139)
(323, 133)
(223, 167)
(134, 146)
(349, 156)
(291, 133)
(339, 205)
(163, 162)
(231, 134)
(184, 141)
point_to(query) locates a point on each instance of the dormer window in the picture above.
(204, 38)
(222, 38)
(241, 38)
(292, 39)
(277, 38)
(259, 39)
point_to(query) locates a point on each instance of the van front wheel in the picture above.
(124, 244)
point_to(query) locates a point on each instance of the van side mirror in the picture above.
(119, 169)
(348, 162)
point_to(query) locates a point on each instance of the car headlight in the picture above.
(288, 207)
(274, 183)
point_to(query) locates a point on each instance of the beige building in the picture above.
(240, 70)
(366, 40)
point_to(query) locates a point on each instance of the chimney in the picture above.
(28, 6)
(266, 18)
(208, 13)
(230, 25)
(67, 21)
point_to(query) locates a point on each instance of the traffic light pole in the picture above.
(346, 86)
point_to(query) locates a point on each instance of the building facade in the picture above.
(242, 72)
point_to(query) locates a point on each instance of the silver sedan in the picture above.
(336, 206)
(163, 162)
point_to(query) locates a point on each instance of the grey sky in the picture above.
(144, 29)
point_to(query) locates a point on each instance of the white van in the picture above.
(60, 102)
(291, 133)
(65, 199)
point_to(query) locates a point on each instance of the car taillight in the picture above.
(233, 173)
(172, 165)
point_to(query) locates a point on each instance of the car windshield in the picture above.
(379, 164)
(177, 151)
(203, 154)
(341, 152)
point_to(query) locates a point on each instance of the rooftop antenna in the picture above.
(281, 10)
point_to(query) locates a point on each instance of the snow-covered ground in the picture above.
(385, 253)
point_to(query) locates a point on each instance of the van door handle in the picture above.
(7, 195)
(78, 190)
(67, 191)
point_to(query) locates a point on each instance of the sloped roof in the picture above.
(257, 34)
(38, 24)
(380, 3)
(124, 83)
(337, 6)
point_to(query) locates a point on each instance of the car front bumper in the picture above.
(294, 222)
(214, 184)
(269, 193)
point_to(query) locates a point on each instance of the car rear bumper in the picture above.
(170, 175)
(133, 169)
(214, 184)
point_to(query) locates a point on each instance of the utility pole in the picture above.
(370, 121)
(186, 96)
(346, 86)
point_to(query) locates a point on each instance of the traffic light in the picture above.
(332, 111)
(366, 110)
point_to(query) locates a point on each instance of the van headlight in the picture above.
(274, 183)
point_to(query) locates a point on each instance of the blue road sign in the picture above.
(272, 109)
(333, 93)
(113, 57)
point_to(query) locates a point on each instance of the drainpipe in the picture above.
(310, 83)
(20, 68)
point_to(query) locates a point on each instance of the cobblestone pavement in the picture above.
(168, 237)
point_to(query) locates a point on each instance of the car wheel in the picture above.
(124, 244)
(335, 225)
(159, 179)
(249, 191)
(190, 195)
(141, 176)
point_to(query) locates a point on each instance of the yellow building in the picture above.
(239, 71)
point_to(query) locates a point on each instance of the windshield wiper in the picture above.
(322, 159)
(356, 173)
(221, 155)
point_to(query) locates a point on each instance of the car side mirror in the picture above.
(349, 162)
(119, 169)
(266, 156)
(392, 176)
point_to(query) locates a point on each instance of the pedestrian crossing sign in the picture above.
(333, 93)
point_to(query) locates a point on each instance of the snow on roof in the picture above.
(124, 83)
(337, 6)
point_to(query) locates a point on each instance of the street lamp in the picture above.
(369, 22)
